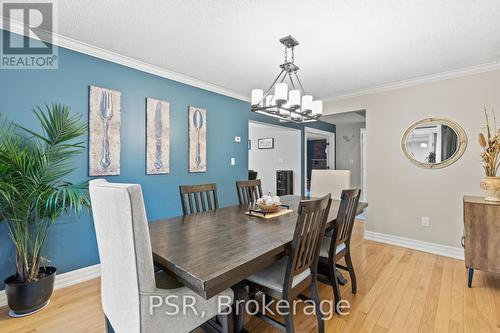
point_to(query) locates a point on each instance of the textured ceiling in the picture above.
(345, 46)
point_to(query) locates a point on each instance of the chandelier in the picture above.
(290, 105)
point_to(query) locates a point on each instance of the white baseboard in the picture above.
(67, 279)
(442, 250)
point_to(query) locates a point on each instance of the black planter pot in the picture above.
(26, 298)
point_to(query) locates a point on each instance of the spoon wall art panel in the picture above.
(104, 131)
(157, 137)
(197, 139)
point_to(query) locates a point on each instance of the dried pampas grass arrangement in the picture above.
(491, 147)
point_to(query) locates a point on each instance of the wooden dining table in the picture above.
(213, 251)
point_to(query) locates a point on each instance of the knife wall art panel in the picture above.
(104, 131)
(197, 139)
(157, 137)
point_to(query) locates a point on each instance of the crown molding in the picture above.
(94, 51)
(466, 71)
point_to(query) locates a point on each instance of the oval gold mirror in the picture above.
(434, 143)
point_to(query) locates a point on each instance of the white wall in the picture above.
(286, 155)
(349, 150)
(398, 192)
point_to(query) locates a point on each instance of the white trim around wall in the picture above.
(442, 250)
(67, 279)
(94, 51)
(472, 70)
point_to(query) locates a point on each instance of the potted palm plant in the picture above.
(33, 195)
(490, 159)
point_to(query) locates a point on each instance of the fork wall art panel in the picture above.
(197, 139)
(104, 131)
(157, 137)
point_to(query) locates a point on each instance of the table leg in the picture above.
(240, 297)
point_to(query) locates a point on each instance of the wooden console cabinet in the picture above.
(481, 235)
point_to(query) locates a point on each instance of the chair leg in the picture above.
(350, 267)
(471, 275)
(109, 328)
(317, 303)
(335, 286)
(289, 318)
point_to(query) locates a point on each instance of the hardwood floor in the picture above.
(399, 290)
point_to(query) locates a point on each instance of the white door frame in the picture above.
(331, 150)
(362, 141)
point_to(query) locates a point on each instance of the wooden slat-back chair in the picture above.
(248, 191)
(298, 270)
(339, 246)
(198, 198)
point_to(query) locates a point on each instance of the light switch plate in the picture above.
(426, 221)
(233, 161)
(237, 139)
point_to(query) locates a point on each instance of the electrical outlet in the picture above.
(426, 221)
(233, 161)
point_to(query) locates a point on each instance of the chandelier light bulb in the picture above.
(307, 101)
(281, 92)
(274, 109)
(317, 108)
(294, 98)
(257, 95)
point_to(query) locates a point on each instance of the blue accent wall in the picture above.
(71, 243)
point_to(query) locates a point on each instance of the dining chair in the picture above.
(198, 198)
(291, 275)
(248, 191)
(132, 293)
(252, 175)
(329, 181)
(339, 245)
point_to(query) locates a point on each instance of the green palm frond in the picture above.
(32, 190)
(59, 126)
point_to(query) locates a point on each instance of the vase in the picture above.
(492, 187)
(27, 298)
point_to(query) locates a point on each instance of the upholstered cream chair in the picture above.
(330, 181)
(131, 292)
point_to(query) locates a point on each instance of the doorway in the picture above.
(350, 148)
(274, 153)
(319, 153)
